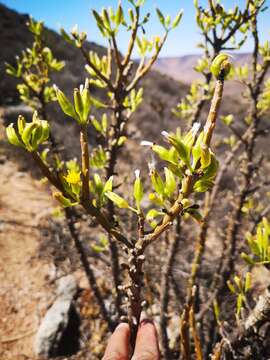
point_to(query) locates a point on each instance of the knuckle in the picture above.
(114, 355)
(146, 355)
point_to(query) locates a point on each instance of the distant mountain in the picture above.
(182, 68)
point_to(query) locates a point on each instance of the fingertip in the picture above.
(122, 325)
(147, 341)
(118, 344)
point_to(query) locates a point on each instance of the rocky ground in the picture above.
(28, 279)
(25, 290)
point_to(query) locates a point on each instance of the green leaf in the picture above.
(203, 185)
(140, 3)
(211, 170)
(12, 136)
(239, 305)
(96, 124)
(119, 17)
(65, 202)
(87, 102)
(108, 185)
(254, 246)
(167, 21)
(152, 214)
(220, 63)
(36, 137)
(162, 152)
(248, 282)
(160, 16)
(10, 70)
(98, 184)
(195, 214)
(138, 189)
(231, 287)
(196, 155)
(121, 140)
(156, 199)
(97, 248)
(157, 182)
(66, 37)
(205, 156)
(104, 122)
(247, 259)
(181, 149)
(27, 133)
(216, 310)
(177, 19)
(78, 104)
(117, 200)
(170, 183)
(228, 120)
(98, 18)
(65, 104)
(97, 103)
(44, 155)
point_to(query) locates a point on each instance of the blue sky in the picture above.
(182, 40)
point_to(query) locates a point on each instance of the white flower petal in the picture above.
(195, 128)
(137, 173)
(165, 134)
(146, 143)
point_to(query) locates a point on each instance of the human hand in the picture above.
(146, 347)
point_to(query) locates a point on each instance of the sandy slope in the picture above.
(23, 277)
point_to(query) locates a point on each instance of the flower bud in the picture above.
(170, 183)
(221, 66)
(21, 124)
(205, 156)
(12, 136)
(157, 182)
(65, 104)
(45, 130)
(138, 189)
(36, 136)
(27, 133)
(78, 104)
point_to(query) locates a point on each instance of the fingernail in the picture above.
(146, 322)
(121, 325)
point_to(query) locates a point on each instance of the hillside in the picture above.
(182, 68)
(14, 37)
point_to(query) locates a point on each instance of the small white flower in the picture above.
(86, 85)
(137, 173)
(146, 143)
(55, 87)
(152, 165)
(81, 88)
(165, 134)
(74, 30)
(195, 128)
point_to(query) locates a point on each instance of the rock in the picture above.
(2, 159)
(58, 334)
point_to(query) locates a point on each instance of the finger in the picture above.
(117, 348)
(146, 347)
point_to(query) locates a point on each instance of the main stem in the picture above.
(136, 260)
